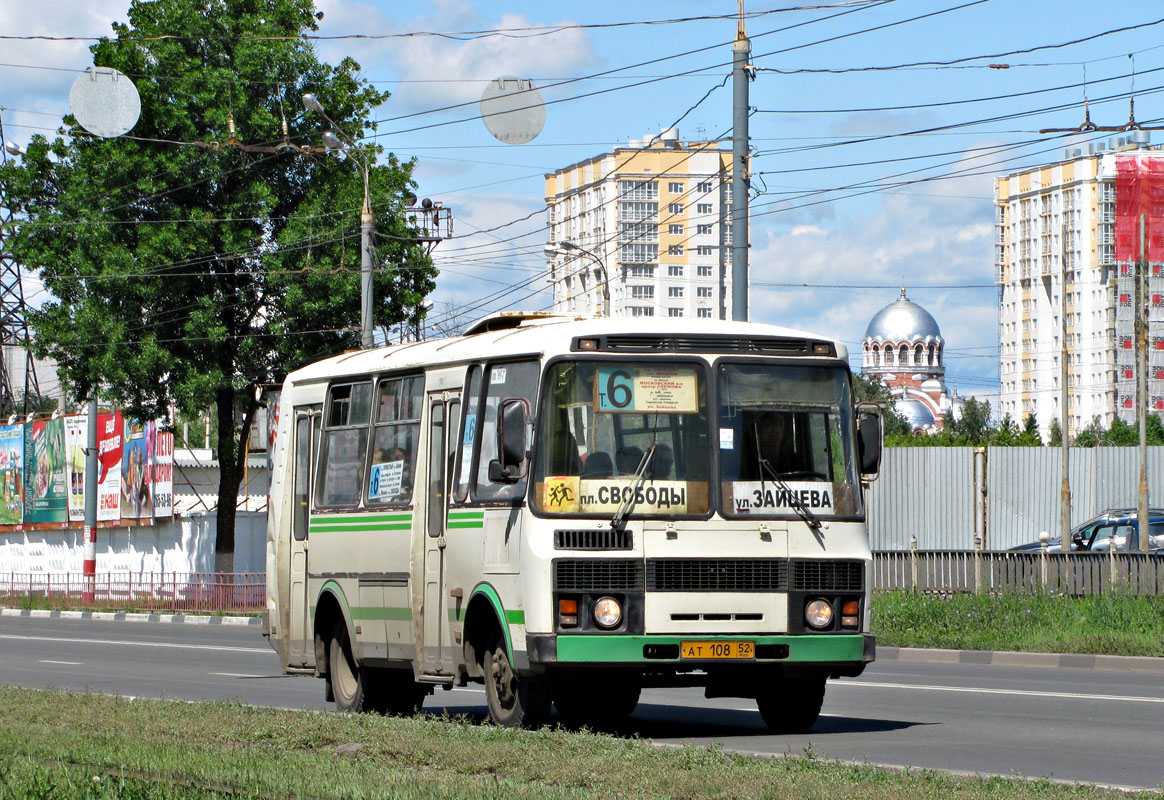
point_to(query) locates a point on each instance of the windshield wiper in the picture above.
(802, 510)
(629, 503)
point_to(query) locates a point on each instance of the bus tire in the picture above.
(349, 683)
(792, 705)
(594, 705)
(514, 701)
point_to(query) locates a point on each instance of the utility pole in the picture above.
(89, 568)
(1141, 306)
(1065, 406)
(741, 55)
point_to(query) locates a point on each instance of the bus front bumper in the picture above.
(825, 650)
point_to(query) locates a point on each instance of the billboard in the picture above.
(110, 430)
(46, 496)
(11, 474)
(76, 438)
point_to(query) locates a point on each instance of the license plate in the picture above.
(717, 650)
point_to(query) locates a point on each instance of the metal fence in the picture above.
(1003, 571)
(241, 592)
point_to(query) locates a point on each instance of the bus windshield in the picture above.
(786, 441)
(599, 421)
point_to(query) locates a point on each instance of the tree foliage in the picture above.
(191, 275)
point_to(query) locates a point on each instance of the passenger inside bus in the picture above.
(764, 438)
(628, 459)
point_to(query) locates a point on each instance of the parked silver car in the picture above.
(1098, 534)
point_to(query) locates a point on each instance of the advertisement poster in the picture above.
(76, 437)
(137, 446)
(46, 494)
(109, 436)
(11, 474)
(162, 472)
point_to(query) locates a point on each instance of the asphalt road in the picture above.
(1087, 725)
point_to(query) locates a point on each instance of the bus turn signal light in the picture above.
(851, 614)
(568, 613)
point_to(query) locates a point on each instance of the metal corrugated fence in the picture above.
(928, 492)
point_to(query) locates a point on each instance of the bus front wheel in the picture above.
(514, 701)
(792, 705)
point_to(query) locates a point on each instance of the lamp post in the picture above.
(569, 246)
(338, 140)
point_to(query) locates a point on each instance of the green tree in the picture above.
(871, 389)
(1055, 433)
(1029, 437)
(973, 426)
(1007, 434)
(196, 274)
(1120, 434)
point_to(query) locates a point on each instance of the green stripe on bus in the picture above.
(467, 515)
(377, 613)
(470, 524)
(573, 648)
(375, 526)
(399, 517)
(515, 617)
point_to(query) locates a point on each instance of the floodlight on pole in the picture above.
(337, 140)
(14, 149)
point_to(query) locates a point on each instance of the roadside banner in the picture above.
(11, 474)
(109, 436)
(161, 470)
(46, 496)
(135, 486)
(76, 439)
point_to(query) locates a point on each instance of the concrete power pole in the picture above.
(741, 54)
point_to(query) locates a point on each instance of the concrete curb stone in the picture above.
(116, 616)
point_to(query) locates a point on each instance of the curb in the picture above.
(112, 616)
(1004, 658)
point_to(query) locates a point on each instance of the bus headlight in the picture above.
(607, 612)
(819, 614)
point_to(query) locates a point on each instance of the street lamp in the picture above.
(568, 246)
(344, 142)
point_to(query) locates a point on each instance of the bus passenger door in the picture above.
(300, 647)
(436, 657)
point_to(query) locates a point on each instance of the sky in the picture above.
(877, 129)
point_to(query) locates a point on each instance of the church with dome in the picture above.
(903, 347)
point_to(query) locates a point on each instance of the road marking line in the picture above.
(217, 647)
(237, 675)
(68, 663)
(971, 690)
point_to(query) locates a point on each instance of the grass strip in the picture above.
(60, 744)
(1110, 624)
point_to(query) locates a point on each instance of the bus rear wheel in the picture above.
(514, 700)
(792, 705)
(349, 684)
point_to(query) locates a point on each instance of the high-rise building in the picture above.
(1076, 223)
(643, 231)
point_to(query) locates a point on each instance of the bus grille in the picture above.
(601, 539)
(717, 575)
(828, 576)
(598, 575)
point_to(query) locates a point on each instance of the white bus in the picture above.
(571, 510)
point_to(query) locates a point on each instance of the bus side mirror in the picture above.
(512, 420)
(869, 439)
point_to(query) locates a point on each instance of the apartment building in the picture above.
(643, 231)
(1072, 227)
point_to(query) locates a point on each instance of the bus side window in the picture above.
(506, 381)
(394, 445)
(343, 446)
(302, 481)
(469, 435)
